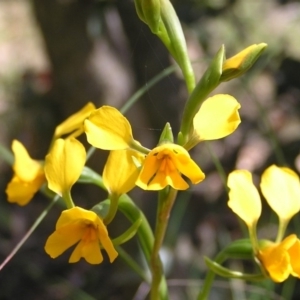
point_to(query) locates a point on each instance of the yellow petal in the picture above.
(244, 198)
(281, 188)
(218, 117)
(276, 259)
(64, 164)
(89, 250)
(108, 129)
(74, 122)
(120, 172)
(76, 214)
(105, 241)
(294, 251)
(63, 238)
(21, 192)
(25, 167)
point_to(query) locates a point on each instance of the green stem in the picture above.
(113, 208)
(281, 230)
(165, 203)
(132, 264)
(68, 199)
(29, 232)
(145, 236)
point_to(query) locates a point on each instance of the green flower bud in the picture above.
(241, 62)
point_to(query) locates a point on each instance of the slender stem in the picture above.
(113, 208)
(132, 264)
(281, 230)
(68, 199)
(29, 232)
(166, 201)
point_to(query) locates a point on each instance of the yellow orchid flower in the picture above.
(217, 117)
(164, 166)
(84, 228)
(281, 260)
(74, 124)
(281, 188)
(64, 164)
(28, 176)
(107, 129)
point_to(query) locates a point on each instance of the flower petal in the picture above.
(64, 164)
(281, 188)
(25, 167)
(218, 117)
(244, 199)
(120, 172)
(294, 258)
(276, 259)
(21, 192)
(108, 129)
(63, 238)
(74, 122)
(89, 250)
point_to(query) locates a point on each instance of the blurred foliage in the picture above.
(58, 55)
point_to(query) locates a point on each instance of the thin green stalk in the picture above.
(132, 264)
(29, 232)
(113, 208)
(68, 199)
(165, 203)
(145, 236)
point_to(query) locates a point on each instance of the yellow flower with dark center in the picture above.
(84, 228)
(165, 165)
(281, 188)
(28, 176)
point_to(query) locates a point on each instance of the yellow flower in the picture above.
(281, 188)
(84, 228)
(165, 165)
(28, 176)
(217, 117)
(64, 164)
(74, 124)
(281, 260)
(108, 129)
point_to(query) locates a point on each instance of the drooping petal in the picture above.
(186, 166)
(120, 172)
(106, 241)
(244, 198)
(281, 188)
(64, 164)
(21, 192)
(63, 238)
(24, 166)
(218, 117)
(108, 129)
(74, 122)
(276, 259)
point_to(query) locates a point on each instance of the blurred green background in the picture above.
(57, 55)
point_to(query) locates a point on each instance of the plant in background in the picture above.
(166, 168)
